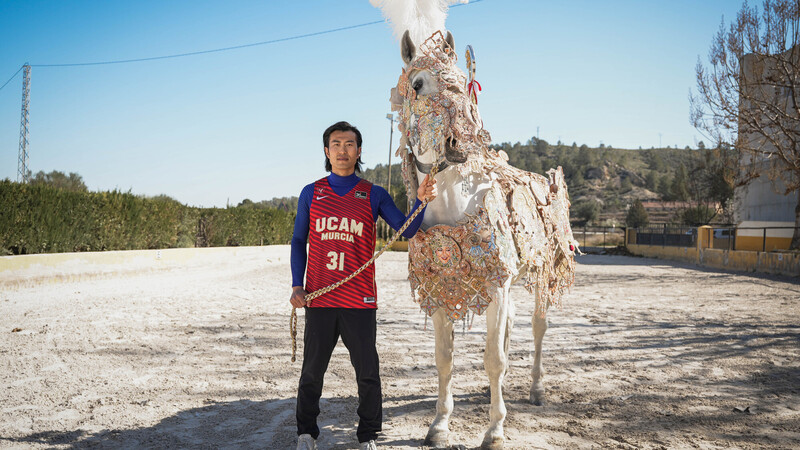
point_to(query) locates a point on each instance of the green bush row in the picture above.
(44, 219)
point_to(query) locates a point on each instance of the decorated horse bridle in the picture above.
(426, 168)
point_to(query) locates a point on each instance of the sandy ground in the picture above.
(644, 354)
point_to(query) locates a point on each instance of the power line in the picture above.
(202, 52)
(216, 50)
(12, 77)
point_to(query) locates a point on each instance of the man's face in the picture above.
(343, 152)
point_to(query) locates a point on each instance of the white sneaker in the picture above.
(368, 446)
(306, 442)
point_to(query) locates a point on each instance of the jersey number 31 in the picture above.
(337, 259)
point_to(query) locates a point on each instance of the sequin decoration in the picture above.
(497, 210)
(455, 268)
(530, 235)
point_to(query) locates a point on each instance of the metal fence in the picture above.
(725, 237)
(666, 235)
(750, 238)
(599, 236)
(720, 237)
(586, 236)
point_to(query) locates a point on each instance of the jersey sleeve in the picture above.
(299, 255)
(392, 214)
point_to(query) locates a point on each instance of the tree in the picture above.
(625, 184)
(57, 179)
(246, 203)
(651, 181)
(584, 157)
(697, 215)
(718, 181)
(663, 187)
(749, 97)
(679, 188)
(656, 162)
(709, 186)
(541, 146)
(577, 180)
(533, 165)
(587, 211)
(637, 215)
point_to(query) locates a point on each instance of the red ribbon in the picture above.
(473, 93)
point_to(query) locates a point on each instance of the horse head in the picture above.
(439, 122)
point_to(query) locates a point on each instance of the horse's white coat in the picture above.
(450, 207)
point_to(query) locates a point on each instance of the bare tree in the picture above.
(749, 96)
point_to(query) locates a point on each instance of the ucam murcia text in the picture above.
(339, 228)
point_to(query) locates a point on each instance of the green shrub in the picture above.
(38, 218)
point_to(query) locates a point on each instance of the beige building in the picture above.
(763, 203)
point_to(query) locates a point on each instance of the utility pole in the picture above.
(22, 163)
(390, 116)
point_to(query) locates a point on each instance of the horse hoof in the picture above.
(496, 443)
(537, 398)
(438, 440)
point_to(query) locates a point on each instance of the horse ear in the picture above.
(449, 41)
(407, 48)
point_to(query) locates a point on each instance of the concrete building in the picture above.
(763, 202)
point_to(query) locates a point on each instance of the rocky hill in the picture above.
(603, 181)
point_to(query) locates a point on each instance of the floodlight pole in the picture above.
(390, 116)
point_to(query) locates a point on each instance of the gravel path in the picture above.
(644, 354)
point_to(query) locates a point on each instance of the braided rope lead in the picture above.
(311, 296)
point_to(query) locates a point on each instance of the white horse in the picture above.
(490, 225)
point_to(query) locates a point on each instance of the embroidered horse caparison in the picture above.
(491, 224)
(527, 233)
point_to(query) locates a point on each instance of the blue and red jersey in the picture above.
(336, 216)
(341, 239)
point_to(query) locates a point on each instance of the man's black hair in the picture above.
(341, 126)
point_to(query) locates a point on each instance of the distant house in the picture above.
(663, 212)
(762, 202)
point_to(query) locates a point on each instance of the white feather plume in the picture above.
(420, 17)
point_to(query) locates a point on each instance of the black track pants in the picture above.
(322, 330)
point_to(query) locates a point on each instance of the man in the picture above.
(336, 215)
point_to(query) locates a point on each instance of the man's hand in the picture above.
(298, 299)
(427, 189)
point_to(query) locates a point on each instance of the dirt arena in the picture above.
(644, 354)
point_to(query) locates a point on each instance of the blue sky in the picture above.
(217, 128)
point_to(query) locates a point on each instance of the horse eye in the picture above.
(418, 85)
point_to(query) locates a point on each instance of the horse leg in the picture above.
(496, 362)
(438, 431)
(539, 328)
(511, 313)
